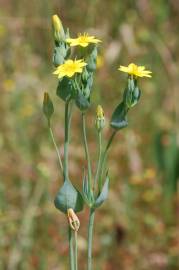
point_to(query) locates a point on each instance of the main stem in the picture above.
(86, 148)
(66, 143)
(92, 211)
(76, 250)
(70, 239)
(90, 237)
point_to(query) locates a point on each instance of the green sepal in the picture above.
(61, 52)
(48, 108)
(103, 194)
(92, 59)
(68, 197)
(119, 117)
(132, 93)
(65, 89)
(87, 82)
(82, 102)
(87, 192)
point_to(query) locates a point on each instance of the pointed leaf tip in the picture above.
(104, 193)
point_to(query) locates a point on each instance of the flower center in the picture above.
(70, 67)
(83, 38)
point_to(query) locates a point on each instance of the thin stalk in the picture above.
(76, 250)
(70, 235)
(90, 238)
(104, 157)
(86, 148)
(56, 148)
(99, 158)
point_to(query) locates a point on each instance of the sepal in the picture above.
(92, 59)
(132, 93)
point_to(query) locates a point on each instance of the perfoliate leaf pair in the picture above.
(65, 89)
(130, 99)
(68, 197)
(103, 194)
(89, 197)
(82, 102)
(87, 193)
(119, 117)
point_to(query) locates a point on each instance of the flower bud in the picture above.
(73, 220)
(48, 108)
(59, 34)
(100, 119)
(56, 23)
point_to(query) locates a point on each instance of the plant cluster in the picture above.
(74, 60)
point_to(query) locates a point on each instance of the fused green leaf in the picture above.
(87, 192)
(65, 89)
(119, 117)
(104, 193)
(82, 102)
(68, 197)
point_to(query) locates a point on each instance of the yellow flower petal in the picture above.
(138, 71)
(69, 68)
(82, 40)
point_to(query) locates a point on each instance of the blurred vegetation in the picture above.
(139, 226)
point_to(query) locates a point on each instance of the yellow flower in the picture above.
(82, 40)
(138, 71)
(69, 68)
(56, 23)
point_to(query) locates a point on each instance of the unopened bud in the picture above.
(56, 23)
(58, 28)
(73, 220)
(100, 119)
(48, 108)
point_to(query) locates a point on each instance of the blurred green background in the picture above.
(138, 227)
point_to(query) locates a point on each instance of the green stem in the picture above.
(104, 158)
(99, 158)
(90, 237)
(76, 251)
(86, 148)
(70, 234)
(56, 148)
(66, 143)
